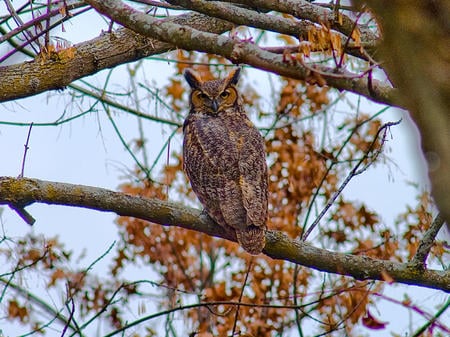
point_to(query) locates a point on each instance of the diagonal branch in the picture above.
(24, 191)
(238, 51)
(427, 242)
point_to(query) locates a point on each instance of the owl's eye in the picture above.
(202, 95)
(225, 94)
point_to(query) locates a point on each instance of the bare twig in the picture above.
(19, 22)
(354, 172)
(236, 315)
(349, 38)
(20, 47)
(71, 311)
(420, 311)
(39, 302)
(333, 163)
(22, 212)
(432, 321)
(22, 171)
(192, 306)
(38, 19)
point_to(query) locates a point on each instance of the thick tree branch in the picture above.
(251, 18)
(106, 51)
(239, 52)
(24, 191)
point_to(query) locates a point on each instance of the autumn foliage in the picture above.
(210, 287)
(274, 295)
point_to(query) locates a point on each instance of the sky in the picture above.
(87, 151)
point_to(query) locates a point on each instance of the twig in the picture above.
(72, 311)
(426, 243)
(297, 316)
(37, 301)
(337, 72)
(37, 20)
(432, 321)
(19, 22)
(416, 309)
(240, 297)
(355, 171)
(20, 210)
(20, 47)
(192, 306)
(22, 171)
(347, 41)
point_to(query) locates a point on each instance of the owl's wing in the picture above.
(253, 178)
(228, 173)
(211, 163)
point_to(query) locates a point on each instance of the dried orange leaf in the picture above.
(386, 277)
(17, 311)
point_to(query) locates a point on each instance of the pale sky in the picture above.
(87, 151)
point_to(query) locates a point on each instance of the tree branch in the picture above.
(24, 191)
(106, 51)
(427, 241)
(237, 51)
(251, 18)
(305, 10)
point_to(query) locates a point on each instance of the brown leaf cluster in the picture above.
(296, 171)
(296, 96)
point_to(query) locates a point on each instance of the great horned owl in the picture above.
(224, 159)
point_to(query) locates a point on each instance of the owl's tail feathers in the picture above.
(252, 239)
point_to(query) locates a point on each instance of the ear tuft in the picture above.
(193, 78)
(233, 76)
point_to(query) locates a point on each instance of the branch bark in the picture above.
(239, 52)
(304, 10)
(297, 29)
(106, 51)
(25, 191)
(190, 32)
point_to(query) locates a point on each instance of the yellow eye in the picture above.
(225, 94)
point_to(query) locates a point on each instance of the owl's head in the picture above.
(212, 96)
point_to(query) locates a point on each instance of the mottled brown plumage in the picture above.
(224, 158)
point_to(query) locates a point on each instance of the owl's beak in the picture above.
(214, 105)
